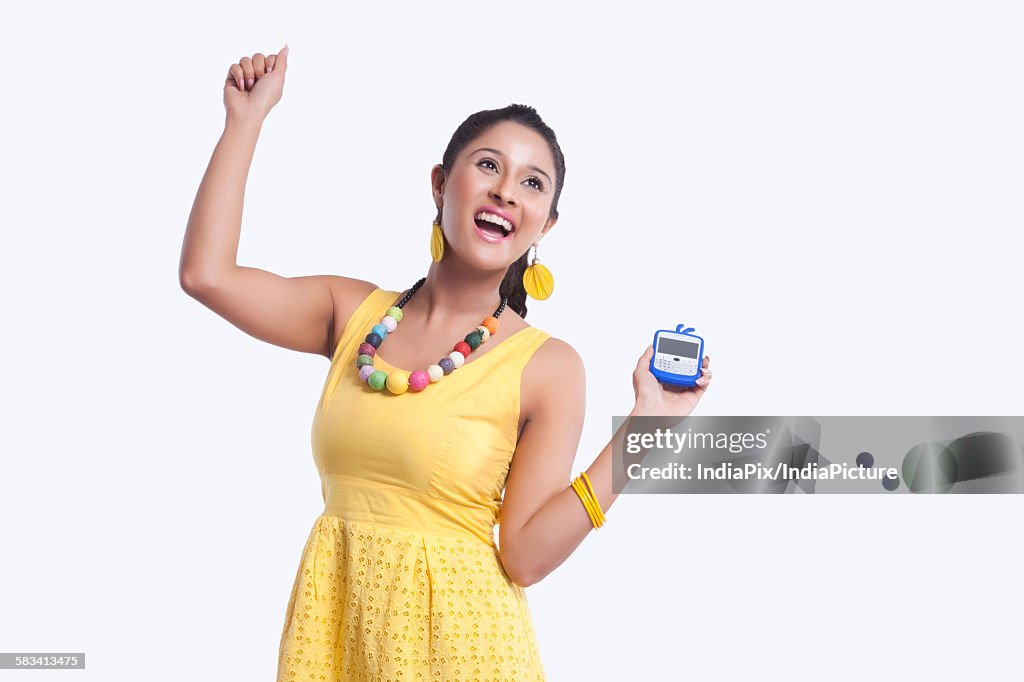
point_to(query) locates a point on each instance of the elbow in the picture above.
(192, 283)
(523, 578)
(188, 281)
(521, 572)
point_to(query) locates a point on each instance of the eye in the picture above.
(537, 183)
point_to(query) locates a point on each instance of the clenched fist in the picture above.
(254, 85)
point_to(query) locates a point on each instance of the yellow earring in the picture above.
(537, 279)
(436, 243)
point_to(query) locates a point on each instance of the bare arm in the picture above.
(543, 520)
(293, 312)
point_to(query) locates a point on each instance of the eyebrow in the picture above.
(495, 151)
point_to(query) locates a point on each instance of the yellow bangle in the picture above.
(577, 486)
(593, 496)
(584, 496)
(593, 510)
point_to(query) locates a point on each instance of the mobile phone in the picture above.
(678, 355)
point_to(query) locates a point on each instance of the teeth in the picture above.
(497, 220)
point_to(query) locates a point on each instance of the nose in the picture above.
(502, 192)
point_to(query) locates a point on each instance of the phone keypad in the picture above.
(668, 363)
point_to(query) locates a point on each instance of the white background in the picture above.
(829, 192)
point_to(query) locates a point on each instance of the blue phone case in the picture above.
(671, 377)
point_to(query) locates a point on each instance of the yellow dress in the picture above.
(400, 578)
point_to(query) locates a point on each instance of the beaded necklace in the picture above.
(398, 381)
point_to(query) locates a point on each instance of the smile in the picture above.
(493, 234)
(493, 227)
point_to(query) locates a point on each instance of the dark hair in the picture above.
(473, 127)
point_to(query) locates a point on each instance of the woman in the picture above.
(401, 577)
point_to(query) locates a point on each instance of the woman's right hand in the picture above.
(254, 85)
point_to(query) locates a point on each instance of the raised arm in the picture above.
(301, 313)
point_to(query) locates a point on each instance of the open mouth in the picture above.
(493, 224)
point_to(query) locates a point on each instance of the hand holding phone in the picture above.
(677, 356)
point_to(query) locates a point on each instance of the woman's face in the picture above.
(501, 181)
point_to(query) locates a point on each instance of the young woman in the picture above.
(438, 398)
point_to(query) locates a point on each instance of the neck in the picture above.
(453, 292)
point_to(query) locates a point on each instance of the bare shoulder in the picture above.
(554, 354)
(555, 370)
(347, 293)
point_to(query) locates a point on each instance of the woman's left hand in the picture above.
(656, 399)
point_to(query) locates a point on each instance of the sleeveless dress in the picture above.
(400, 578)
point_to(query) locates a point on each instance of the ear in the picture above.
(549, 224)
(437, 180)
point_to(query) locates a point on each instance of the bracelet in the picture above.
(593, 496)
(585, 491)
(584, 496)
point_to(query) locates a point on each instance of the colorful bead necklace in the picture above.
(398, 381)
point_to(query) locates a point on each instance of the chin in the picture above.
(489, 258)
